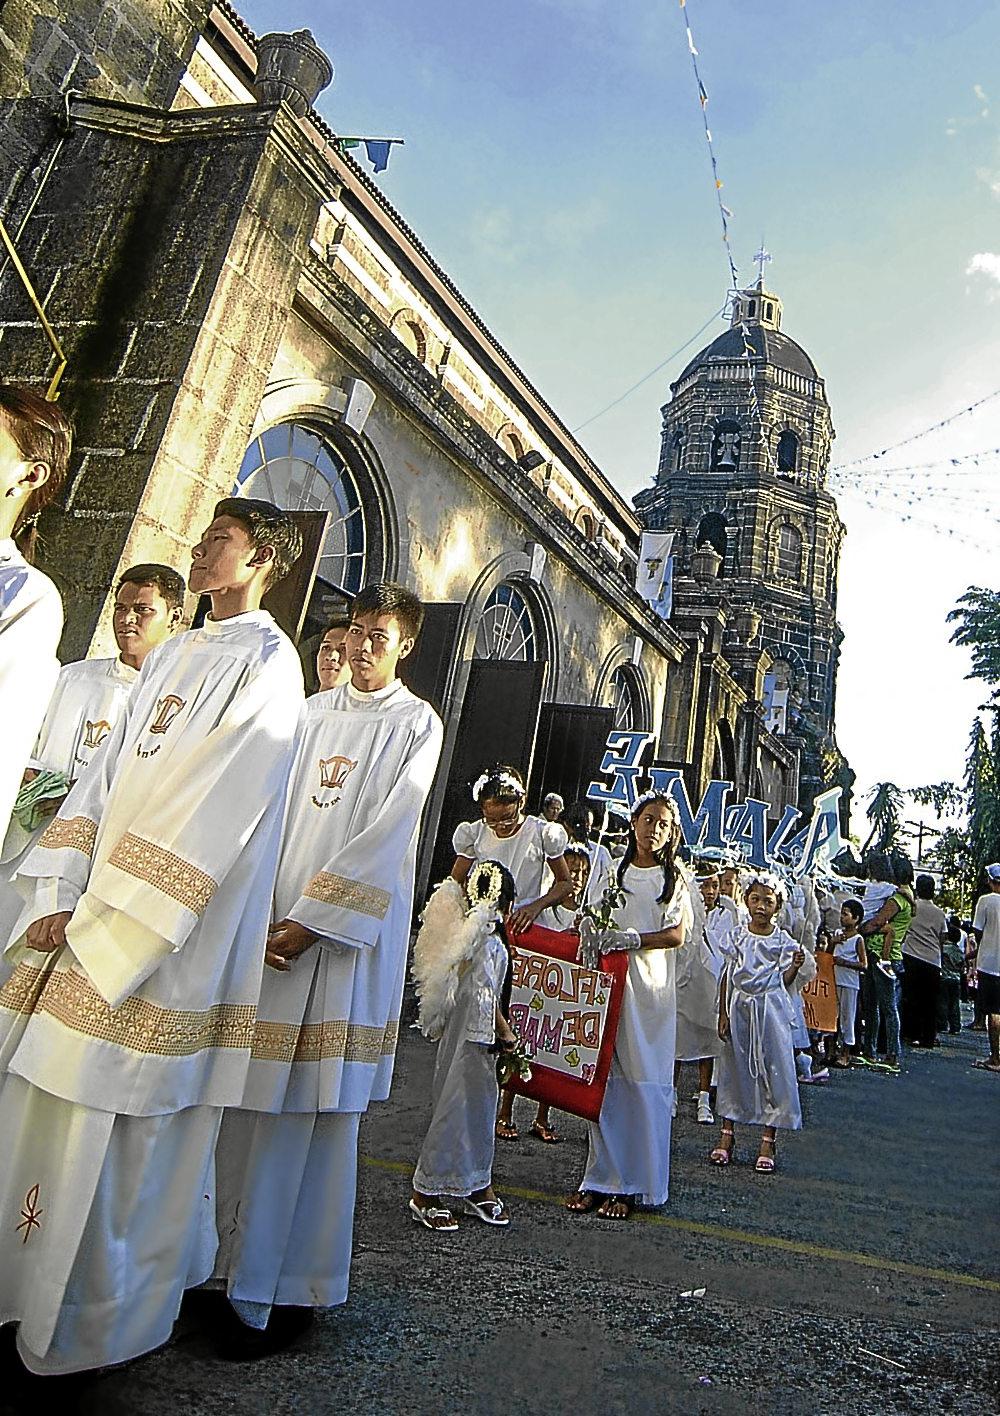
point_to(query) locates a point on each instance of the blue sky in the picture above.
(555, 164)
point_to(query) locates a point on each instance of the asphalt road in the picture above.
(861, 1278)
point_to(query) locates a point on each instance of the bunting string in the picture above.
(915, 437)
(725, 216)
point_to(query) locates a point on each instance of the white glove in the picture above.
(614, 940)
(589, 952)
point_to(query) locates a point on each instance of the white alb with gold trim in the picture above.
(325, 1037)
(139, 1032)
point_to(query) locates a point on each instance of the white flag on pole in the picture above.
(654, 556)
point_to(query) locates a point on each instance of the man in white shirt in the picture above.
(127, 1023)
(328, 1015)
(986, 928)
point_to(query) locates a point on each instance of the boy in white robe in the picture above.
(35, 443)
(127, 1024)
(328, 1015)
(89, 698)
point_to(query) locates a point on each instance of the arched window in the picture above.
(507, 629)
(788, 453)
(712, 529)
(408, 331)
(726, 447)
(789, 552)
(624, 698)
(678, 452)
(296, 468)
(511, 443)
(585, 523)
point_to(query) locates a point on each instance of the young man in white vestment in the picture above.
(127, 1024)
(89, 698)
(35, 444)
(328, 1014)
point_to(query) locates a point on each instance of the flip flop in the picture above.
(985, 1065)
(545, 1133)
(427, 1214)
(506, 1131)
(590, 1200)
(489, 1211)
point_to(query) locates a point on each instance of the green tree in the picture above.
(977, 621)
(886, 804)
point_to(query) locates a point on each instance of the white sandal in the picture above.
(426, 1215)
(489, 1211)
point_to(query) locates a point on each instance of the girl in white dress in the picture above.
(461, 965)
(699, 966)
(757, 1082)
(628, 1158)
(532, 850)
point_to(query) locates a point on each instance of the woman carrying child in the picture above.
(532, 850)
(628, 1157)
(756, 1072)
(461, 966)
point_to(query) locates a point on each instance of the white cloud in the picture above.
(991, 177)
(980, 93)
(985, 263)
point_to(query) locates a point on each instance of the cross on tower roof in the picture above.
(763, 258)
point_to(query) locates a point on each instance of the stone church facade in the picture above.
(241, 309)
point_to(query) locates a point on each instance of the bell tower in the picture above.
(745, 447)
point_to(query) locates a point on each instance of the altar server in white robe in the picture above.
(628, 1157)
(328, 1015)
(35, 443)
(89, 698)
(127, 1024)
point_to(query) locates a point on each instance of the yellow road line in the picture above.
(742, 1236)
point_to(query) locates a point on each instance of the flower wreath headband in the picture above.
(503, 779)
(484, 886)
(768, 879)
(659, 796)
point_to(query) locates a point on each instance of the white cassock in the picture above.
(118, 1053)
(89, 698)
(757, 1084)
(326, 1031)
(629, 1144)
(31, 620)
(699, 966)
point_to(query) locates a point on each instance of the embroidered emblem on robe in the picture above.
(333, 775)
(30, 1213)
(95, 733)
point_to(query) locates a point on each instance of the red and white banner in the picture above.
(567, 1017)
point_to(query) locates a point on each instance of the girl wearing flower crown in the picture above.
(757, 1084)
(532, 850)
(461, 969)
(628, 1158)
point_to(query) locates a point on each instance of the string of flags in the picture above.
(950, 467)
(377, 150)
(938, 527)
(915, 437)
(725, 215)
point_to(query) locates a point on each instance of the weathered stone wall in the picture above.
(134, 50)
(167, 248)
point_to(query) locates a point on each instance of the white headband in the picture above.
(660, 796)
(502, 779)
(768, 879)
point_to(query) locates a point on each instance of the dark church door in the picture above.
(498, 724)
(568, 751)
